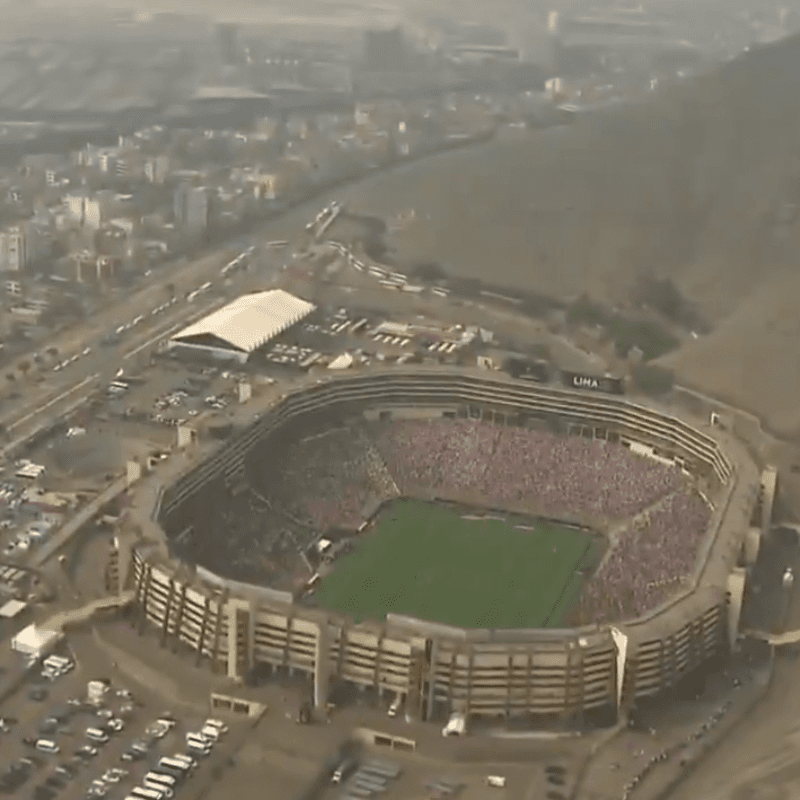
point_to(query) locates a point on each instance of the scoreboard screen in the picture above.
(594, 383)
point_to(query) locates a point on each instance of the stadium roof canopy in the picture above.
(245, 324)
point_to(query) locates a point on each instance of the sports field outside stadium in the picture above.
(425, 560)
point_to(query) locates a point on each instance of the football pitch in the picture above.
(426, 561)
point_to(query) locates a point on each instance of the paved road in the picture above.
(67, 531)
(63, 391)
(764, 753)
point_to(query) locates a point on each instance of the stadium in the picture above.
(465, 540)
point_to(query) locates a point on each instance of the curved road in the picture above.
(763, 752)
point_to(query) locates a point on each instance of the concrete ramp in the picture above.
(775, 639)
(79, 615)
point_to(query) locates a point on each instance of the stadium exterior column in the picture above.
(509, 682)
(147, 575)
(179, 614)
(376, 677)
(203, 629)
(167, 612)
(239, 661)
(221, 599)
(322, 665)
(469, 681)
(529, 682)
(453, 657)
(432, 679)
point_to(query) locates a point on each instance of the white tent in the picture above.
(13, 607)
(35, 642)
(343, 361)
(240, 327)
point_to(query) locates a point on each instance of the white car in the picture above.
(115, 724)
(217, 725)
(105, 713)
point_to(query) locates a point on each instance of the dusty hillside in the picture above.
(687, 184)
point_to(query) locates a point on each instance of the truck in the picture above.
(96, 691)
(456, 725)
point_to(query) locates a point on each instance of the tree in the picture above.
(24, 367)
(170, 289)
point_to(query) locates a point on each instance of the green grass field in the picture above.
(426, 561)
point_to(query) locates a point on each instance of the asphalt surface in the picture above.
(91, 665)
(60, 391)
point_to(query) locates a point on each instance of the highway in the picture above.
(62, 390)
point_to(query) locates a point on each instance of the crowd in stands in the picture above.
(641, 568)
(325, 480)
(308, 485)
(247, 541)
(510, 464)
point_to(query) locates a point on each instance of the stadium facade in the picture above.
(543, 675)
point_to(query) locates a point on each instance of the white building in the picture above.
(13, 250)
(83, 209)
(241, 327)
(190, 205)
(35, 642)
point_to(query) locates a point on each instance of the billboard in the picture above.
(595, 383)
(527, 370)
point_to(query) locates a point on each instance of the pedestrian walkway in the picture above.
(641, 764)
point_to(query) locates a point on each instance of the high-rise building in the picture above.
(13, 252)
(226, 37)
(190, 205)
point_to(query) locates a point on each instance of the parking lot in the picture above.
(49, 754)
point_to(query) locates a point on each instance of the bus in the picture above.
(370, 781)
(359, 792)
(175, 772)
(158, 787)
(159, 777)
(143, 793)
(174, 764)
(56, 662)
(391, 771)
(312, 359)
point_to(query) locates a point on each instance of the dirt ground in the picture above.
(687, 184)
